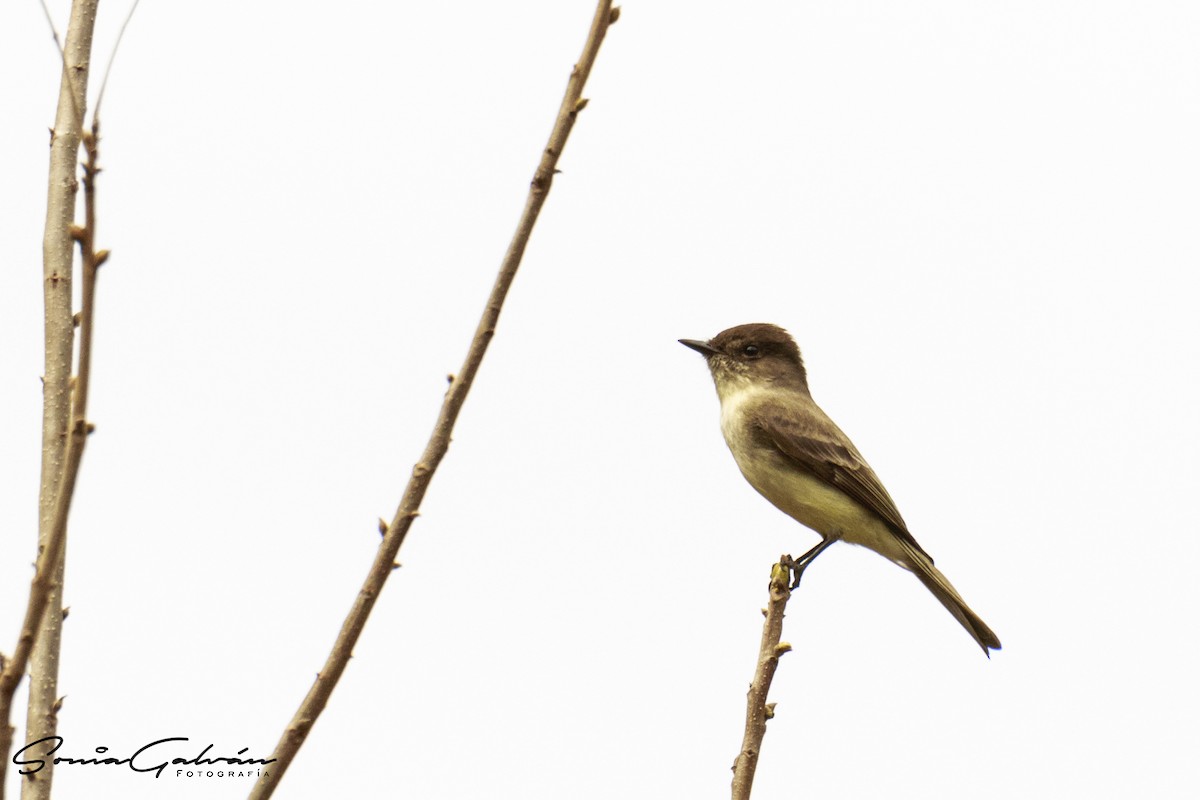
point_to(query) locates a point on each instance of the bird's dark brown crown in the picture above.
(757, 340)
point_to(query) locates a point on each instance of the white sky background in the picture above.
(977, 219)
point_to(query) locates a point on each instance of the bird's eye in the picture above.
(750, 351)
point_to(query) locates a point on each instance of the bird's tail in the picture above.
(937, 583)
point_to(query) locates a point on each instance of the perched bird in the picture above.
(793, 454)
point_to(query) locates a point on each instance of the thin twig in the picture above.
(76, 102)
(758, 710)
(439, 441)
(53, 31)
(92, 259)
(111, 56)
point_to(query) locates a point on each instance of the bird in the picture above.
(794, 455)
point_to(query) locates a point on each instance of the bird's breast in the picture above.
(797, 492)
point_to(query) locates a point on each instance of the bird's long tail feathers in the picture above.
(943, 590)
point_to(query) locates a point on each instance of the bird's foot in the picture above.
(798, 565)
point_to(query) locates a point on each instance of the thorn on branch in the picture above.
(100, 257)
(781, 648)
(769, 711)
(76, 318)
(383, 527)
(395, 565)
(66, 612)
(581, 104)
(614, 15)
(77, 233)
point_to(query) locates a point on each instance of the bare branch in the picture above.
(439, 441)
(62, 436)
(758, 711)
(47, 580)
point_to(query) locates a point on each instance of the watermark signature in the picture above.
(155, 757)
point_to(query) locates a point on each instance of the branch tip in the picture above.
(780, 577)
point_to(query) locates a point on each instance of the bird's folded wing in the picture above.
(815, 444)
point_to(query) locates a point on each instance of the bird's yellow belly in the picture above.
(817, 505)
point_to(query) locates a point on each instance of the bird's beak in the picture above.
(700, 347)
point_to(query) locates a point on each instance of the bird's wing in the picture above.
(807, 437)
